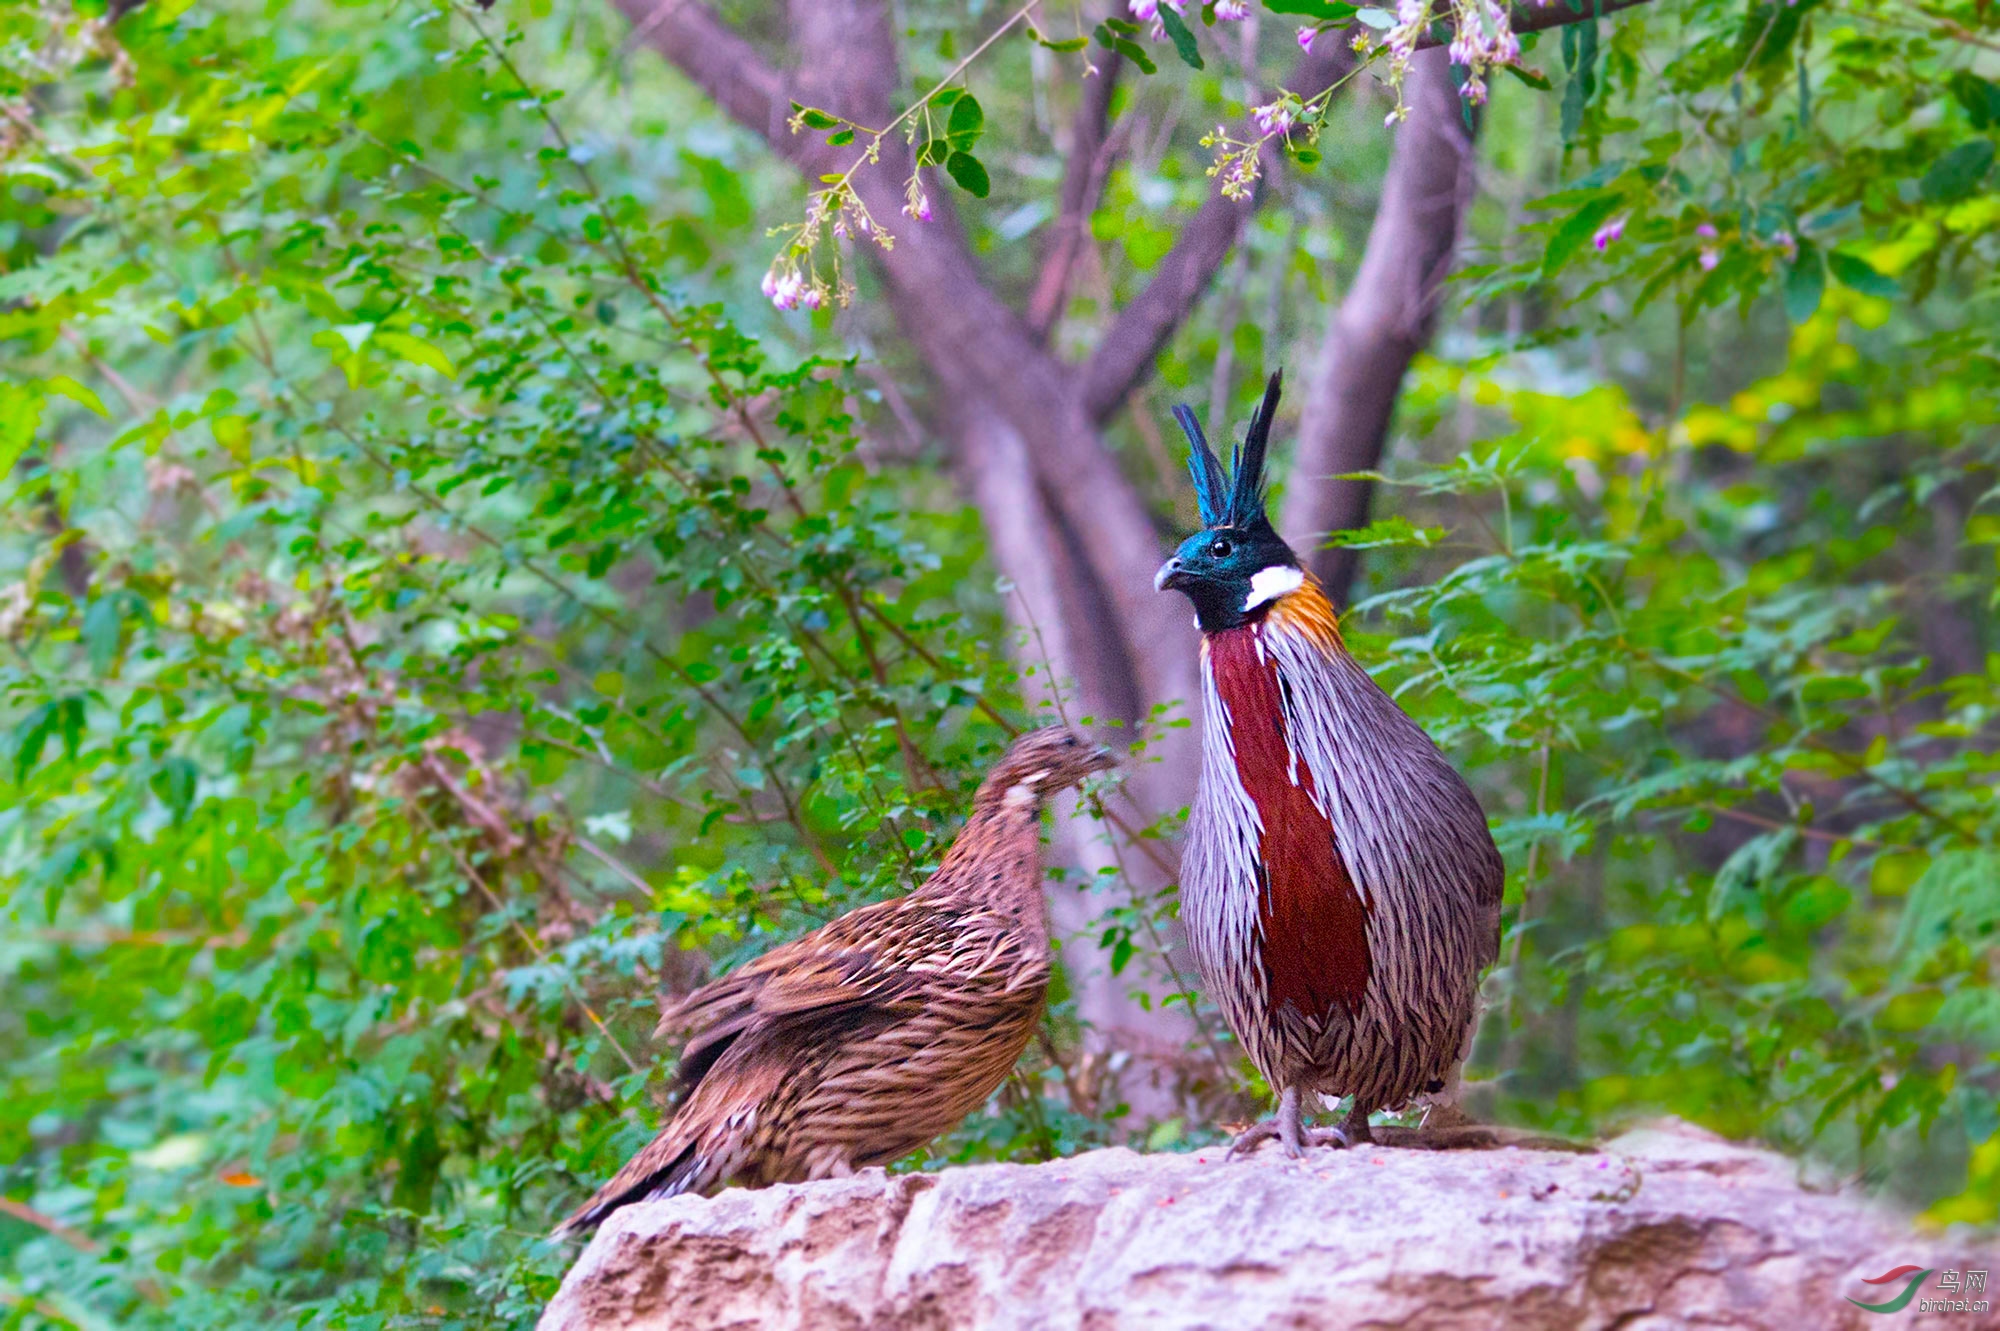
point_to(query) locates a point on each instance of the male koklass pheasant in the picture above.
(875, 1034)
(1340, 890)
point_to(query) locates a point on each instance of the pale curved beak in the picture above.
(1165, 577)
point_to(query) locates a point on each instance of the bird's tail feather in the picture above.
(640, 1180)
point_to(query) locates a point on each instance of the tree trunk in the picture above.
(1067, 528)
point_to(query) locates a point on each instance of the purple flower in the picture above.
(1706, 231)
(1609, 234)
(1709, 258)
(1232, 11)
(1306, 36)
(1275, 118)
(788, 291)
(919, 208)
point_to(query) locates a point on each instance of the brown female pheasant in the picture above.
(1340, 889)
(874, 1034)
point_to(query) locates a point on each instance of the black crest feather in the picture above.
(1211, 492)
(1237, 501)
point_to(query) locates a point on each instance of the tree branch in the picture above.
(1091, 153)
(1555, 14)
(722, 64)
(1125, 355)
(1386, 319)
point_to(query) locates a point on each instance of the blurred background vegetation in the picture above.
(447, 604)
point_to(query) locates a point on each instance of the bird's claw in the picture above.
(1254, 1136)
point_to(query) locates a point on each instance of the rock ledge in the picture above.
(1664, 1227)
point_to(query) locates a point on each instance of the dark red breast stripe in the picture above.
(1315, 926)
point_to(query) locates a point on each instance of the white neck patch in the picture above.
(1268, 584)
(1022, 795)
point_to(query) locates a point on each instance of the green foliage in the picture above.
(1752, 823)
(443, 606)
(1745, 647)
(457, 631)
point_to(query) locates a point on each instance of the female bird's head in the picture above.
(1042, 762)
(1237, 564)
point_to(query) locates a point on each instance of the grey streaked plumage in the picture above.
(1416, 844)
(869, 1037)
(1340, 889)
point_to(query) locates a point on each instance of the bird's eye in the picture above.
(1221, 548)
(1069, 741)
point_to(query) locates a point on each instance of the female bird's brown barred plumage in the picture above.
(1340, 888)
(874, 1034)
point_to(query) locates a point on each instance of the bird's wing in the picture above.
(752, 1029)
(859, 963)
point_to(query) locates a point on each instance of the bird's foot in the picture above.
(1256, 1135)
(1288, 1126)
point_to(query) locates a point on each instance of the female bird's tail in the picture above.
(669, 1166)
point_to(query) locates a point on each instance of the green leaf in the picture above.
(233, 433)
(814, 118)
(967, 120)
(1330, 11)
(1980, 98)
(1379, 19)
(76, 392)
(1576, 231)
(1850, 271)
(1579, 47)
(1386, 533)
(1183, 40)
(416, 351)
(175, 783)
(31, 734)
(20, 417)
(1805, 283)
(970, 175)
(102, 632)
(1958, 173)
(1534, 78)
(1306, 157)
(932, 152)
(1123, 951)
(840, 137)
(1107, 37)
(1066, 45)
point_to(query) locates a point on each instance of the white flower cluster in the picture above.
(1278, 117)
(1413, 20)
(793, 290)
(1484, 39)
(794, 281)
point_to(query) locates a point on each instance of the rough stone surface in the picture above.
(1664, 1227)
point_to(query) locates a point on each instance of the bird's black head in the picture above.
(1237, 563)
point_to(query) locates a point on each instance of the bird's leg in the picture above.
(1354, 1128)
(1284, 1125)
